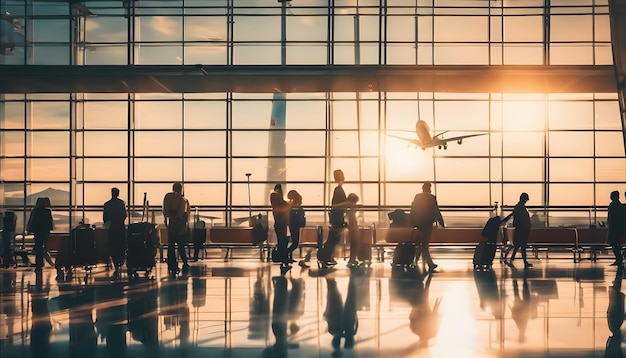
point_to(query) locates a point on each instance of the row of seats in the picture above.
(576, 240)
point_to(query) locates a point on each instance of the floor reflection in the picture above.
(247, 308)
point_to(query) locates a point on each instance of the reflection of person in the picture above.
(487, 287)
(342, 318)
(40, 224)
(521, 222)
(259, 309)
(114, 215)
(143, 319)
(521, 309)
(280, 210)
(353, 230)
(279, 317)
(424, 212)
(9, 223)
(174, 308)
(174, 207)
(297, 220)
(41, 327)
(424, 320)
(110, 319)
(615, 318)
(615, 222)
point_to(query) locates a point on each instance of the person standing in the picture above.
(297, 220)
(114, 215)
(280, 210)
(40, 223)
(174, 207)
(615, 222)
(339, 204)
(424, 212)
(521, 223)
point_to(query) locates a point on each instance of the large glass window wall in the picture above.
(342, 32)
(565, 150)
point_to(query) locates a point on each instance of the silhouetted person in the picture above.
(488, 293)
(40, 223)
(143, 315)
(114, 215)
(521, 309)
(281, 210)
(297, 220)
(342, 318)
(424, 320)
(615, 318)
(424, 212)
(339, 204)
(110, 319)
(174, 211)
(9, 224)
(354, 235)
(259, 309)
(615, 222)
(521, 222)
(83, 336)
(279, 317)
(174, 308)
(296, 304)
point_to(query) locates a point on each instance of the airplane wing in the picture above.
(416, 142)
(458, 139)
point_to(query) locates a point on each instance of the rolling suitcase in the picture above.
(198, 235)
(404, 254)
(484, 254)
(143, 242)
(83, 243)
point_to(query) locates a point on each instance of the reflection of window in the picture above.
(8, 27)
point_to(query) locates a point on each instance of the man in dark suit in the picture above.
(114, 215)
(424, 212)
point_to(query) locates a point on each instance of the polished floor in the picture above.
(247, 308)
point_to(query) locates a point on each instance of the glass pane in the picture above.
(461, 194)
(158, 169)
(523, 29)
(206, 54)
(105, 115)
(205, 169)
(50, 30)
(246, 28)
(610, 170)
(571, 143)
(116, 169)
(205, 194)
(307, 28)
(205, 28)
(158, 115)
(572, 170)
(159, 54)
(307, 54)
(106, 29)
(473, 169)
(49, 144)
(459, 54)
(49, 115)
(12, 115)
(570, 54)
(205, 114)
(12, 169)
(609, 144)
(158, 143)
(49, 55)
(474, 28)
(12, 144)
(106, 55)
(201, 143)
(114, 144)
(526, 144)
(49, 169)
(570, 115)
(159, 28)
(522, 169)
(571, 194)
(571, 28)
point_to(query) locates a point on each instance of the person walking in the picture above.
(114, 215)
(615, 222)
(280, 210)
(424, 212)
(337, 214)
(40, 223)
(297, 220)
(521, 223)
(174, 211)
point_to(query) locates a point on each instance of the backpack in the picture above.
(173, 206)
(298, 217)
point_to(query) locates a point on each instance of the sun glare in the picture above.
(404, 160)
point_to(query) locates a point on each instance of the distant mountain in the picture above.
(57, 197)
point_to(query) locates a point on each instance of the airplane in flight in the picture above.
(426, 141)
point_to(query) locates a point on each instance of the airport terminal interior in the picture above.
(485, 99)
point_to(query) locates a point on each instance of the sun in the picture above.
(403, 161)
